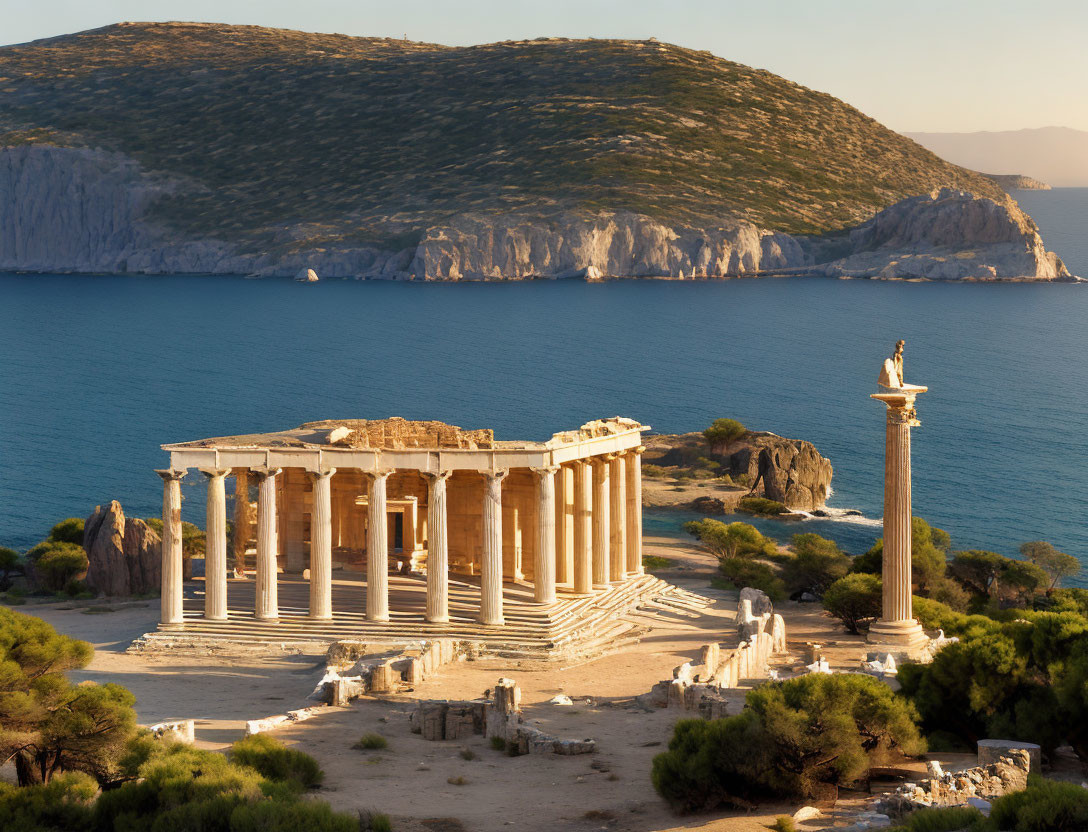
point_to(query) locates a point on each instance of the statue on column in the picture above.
(891, 374)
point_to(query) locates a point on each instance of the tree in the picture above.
(742, 572)
(817, 563)
(993, 576)
(68, 531)
(928, 560)
(723, 431)
(1057, 565)
(47, 724)
(729, 540)
(57, 562)
(10, 564)
(854, 600)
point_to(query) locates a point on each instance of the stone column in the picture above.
(602, 512)
(215, 547)
(377, 549)
(544, 558)
(634, 511)
(564, 526)
(173, 608)
(896, 625)
(321, 545)
(438, 557)
(243, 517)
(583, 527)
(617, 561)
(491, 565)
(267, 604)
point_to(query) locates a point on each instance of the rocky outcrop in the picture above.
(125, 556)
(1017, 182)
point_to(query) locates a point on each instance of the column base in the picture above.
(496, 623)
(268, 619)
(172, 625)
(223, 617)
(438, 619)
(378, 619)
(312, 617)
(901, 636)
(601, 587)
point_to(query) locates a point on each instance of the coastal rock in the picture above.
(708, 506)
(124, 556)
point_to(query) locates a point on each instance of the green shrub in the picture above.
(761, 506)
(1044, 806)
(371, 742)
(729, 540)
(652, 562)
(57, 563)
(945, 819)
(275, 761)
(68, 531)
(741, 572)
(63, 803)
(855, 600)
(723, 431)
(374, 822)
(653, 471)
(290, 816)
(498, 743)
(817, 563)
(783, 823)
(10, 564)
(928, 556)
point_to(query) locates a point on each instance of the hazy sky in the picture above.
(913, 64)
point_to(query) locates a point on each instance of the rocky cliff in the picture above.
(124, 556)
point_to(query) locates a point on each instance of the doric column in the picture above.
(583, 527)
(491, 565)
(634, 510)
(321, 545)
(564, 526)
(438, 558)
(173, 610)
(544, 558)
(617, 561)
(215, 547)
(267, 606)
(243, 517)
(377, 549)
(602, 512)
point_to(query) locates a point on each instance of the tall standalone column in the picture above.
(321, 546)
(215, 551)
(617, 563)
(172, 579)
(634, 510)
(602, 512)
(267, 606)
(896, 625)
(377, 550)
(438, 556)
(544, 559)
(491, 565)
(583, 527)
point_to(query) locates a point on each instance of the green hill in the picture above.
(372, 140)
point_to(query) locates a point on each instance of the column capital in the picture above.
(211, 473)
(436, 475)
(495, 476)
(169, 474)
(599, 461)
(266, 473)
(380, 473)
(320, 475)
(546, 470)
(637, 451)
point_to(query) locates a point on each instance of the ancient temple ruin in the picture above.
(431, 524)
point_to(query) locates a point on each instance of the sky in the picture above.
(928, 65)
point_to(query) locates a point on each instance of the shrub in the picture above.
(10, 564)
(945, 819)
(993, 576)
(817, 564)
(498, 743)
(1064, 600)
(928, 558)
(62, 803)
(741, 572)
(68, 531)
(652, 562)
(1044, 806)
(468, 754)
(854, 599)
(653, 471)
(273, 760)
(723, 431)
(729, 540)
(291, 816)
(57, 563)
(374, 822)
(783, 823)
(371, 742)
(761, 506)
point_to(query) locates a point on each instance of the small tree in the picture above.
(68, 531)
(57, 562)
(742, 572)
(1057, 565)
(10, 564)
(722, 432)
(729, 540)
(855, 600)
(817, 563)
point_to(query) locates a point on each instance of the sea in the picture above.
(96, 372)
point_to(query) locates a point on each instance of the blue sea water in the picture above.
(98, 371)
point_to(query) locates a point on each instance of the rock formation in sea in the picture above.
(124, 555)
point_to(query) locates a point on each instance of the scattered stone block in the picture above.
(384, 678)
(991, 751)
(182, 730)
(758, 600)
(806, 813)
(346, 652)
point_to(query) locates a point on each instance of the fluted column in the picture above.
(215, 547)
(243, 517)
(377, 550)
(491, 565)
(321, 545)
(634, 510)
(172, 610)
(564, 526)
(583, 527)
(267, 605)
(617, 561)
(544, 559)
(438, 558)
(602, 512)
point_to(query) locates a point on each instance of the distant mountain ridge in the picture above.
(1055, 155)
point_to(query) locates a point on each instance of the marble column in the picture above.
(583, 527)
(321, 545)
(617, 561)
(172, 610)
(438, 557)
(215, 547)
(267, 603)
(491, 564)
(377, 549)
(243, 518)
(544, 558)
(602, 512)
(564, 526)
(634, 511)
(896, 625)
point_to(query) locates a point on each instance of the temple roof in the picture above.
(396, 433)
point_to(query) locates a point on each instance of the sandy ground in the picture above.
(411, 780)
(666, 492)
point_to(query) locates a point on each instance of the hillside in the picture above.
(374, 139)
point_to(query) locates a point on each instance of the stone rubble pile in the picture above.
(384, 673)
(973, 786)
(183, 730)
(500, 716)
(697, 685)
